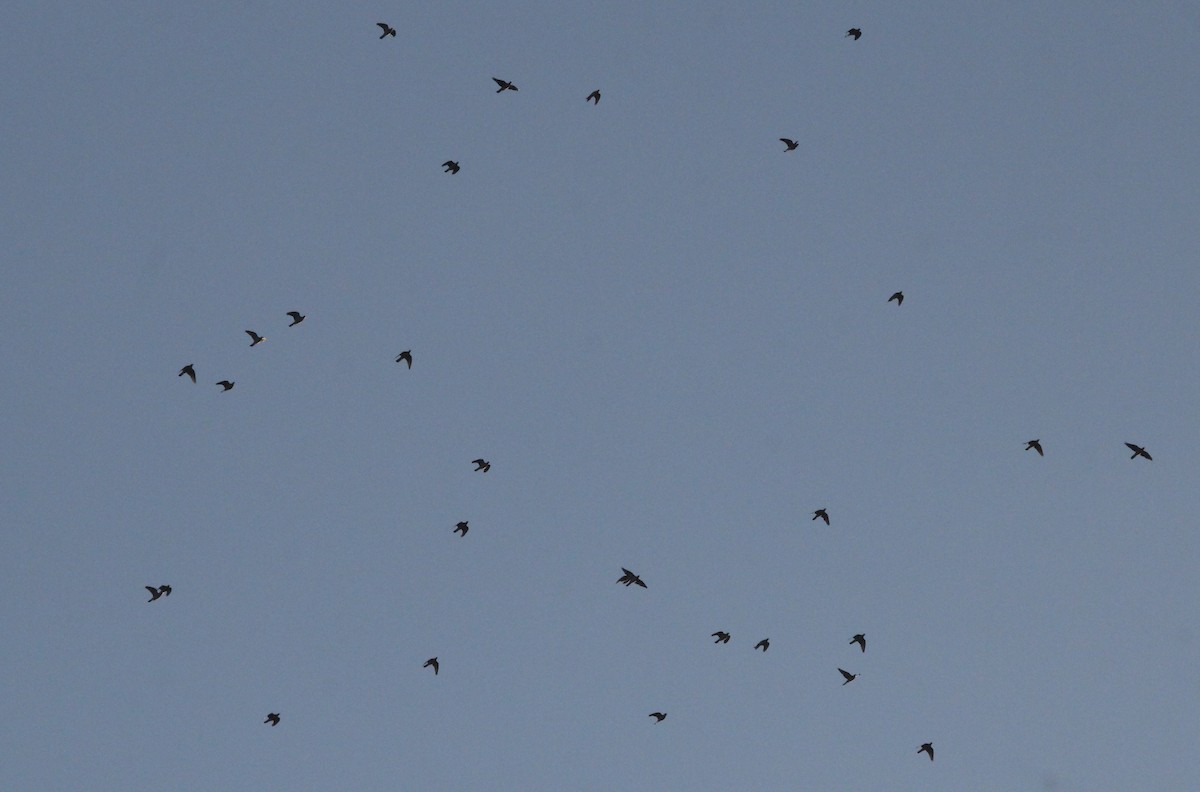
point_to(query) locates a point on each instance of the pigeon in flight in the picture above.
(764, 644)
(505, 85)
(629, 578)
(191, 372)
(297, 318)
(861, 640)
(255, 338)
(659, 717)
(593, 97)
(462, 526)
(1036, 445)
(432, 662)
(1138, 451)
(926, 748)
(721, 636)
(791, 144)
(451, 167)
(853, 32)
(388, 30)
(226, 385)
(822, 515)
(155, 593)
(406, 356)
(849, 677)
(272, 718)
(481, 465)
(898, 297)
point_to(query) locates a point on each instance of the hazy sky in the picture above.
(670, 338)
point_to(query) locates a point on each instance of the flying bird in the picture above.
(191, 372)
(861, 640)
(406, 356)
(593, 97)
(822, 515)
(853, 32)
(898, 297)
(432, 662)
(659, 717)
(450, 167)
(764, 644)
(721, 636)
(297, 318)
(1036, 445)
(388, 30)
(1138, 451)
(272, 718)
(791, 144)
(481, 465)
(505, 85)
(849, 677)
(629, 578)
(255, 338)
(226, 385)
(462, 526)
(926, 748)
(155, 593)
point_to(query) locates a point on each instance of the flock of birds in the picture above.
(628, 578)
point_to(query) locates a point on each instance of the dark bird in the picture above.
(297, 318)
(388, 30)
(849, 677)
(462, 526)
(226, 385)
(853, 32)
(659, 717)
(764, 644)
(1036, 445)
(791, 144)
(255, 338)
(593, 97)
(481, 465)
(166, 590)
(822, 515)
(721, 636)
(191, 372)
(1138, 451)
(926, 748)
(154, 593)
(861, 640)
(505, 85)
(432, 662)
(406, 356)
(450, 167)
(898, 297)
(272, 718)
(629, 578)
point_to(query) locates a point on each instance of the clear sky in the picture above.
(672, 340)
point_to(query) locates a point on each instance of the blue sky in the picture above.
(671, 339)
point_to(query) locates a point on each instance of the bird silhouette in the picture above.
(481, 465)
(898, 297)
(926, 748)
(388, 30)
(849, 677)
(272, 718)
(821, 514)
(861, 640)
(226, 385)
(593, 97)
(1036, 445)
(1138, 451)
(432, 662)
(462, 526)
(191, 372)
(297, 318)
(505, 85)
(791, 144)
(406, 356)
(154, 593)
(764, 644)
(630, 578)
(255, 338)
(854, 32)
(451, 167)
(659, 717)
(721, 636)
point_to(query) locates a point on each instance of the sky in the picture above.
(672, 341)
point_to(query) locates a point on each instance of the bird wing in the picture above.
(638, 580)
(295, 315)
(478, 461)
(1133, 448)
(825, 517)
(152, 590)
(846, 674)
(253, 335)
(384, 26)
(500, 82)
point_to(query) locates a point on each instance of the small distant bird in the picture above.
(593, 97)
(926, 748)
(505, 85)
(659, 717)
(432, 662)
(191, 372)
(861, 640)
(853, 32)
(451, 167)
(721, 636)
(155, 593)
(272, 718)
(481, 465)
(898, 297)
(630, 579)
(791, 144)
(388, 30)
(849, 677)
(764, 644)
(297, 318)
(226, 385)
(406, 356)
(255, 338)
(1036, 445)
(1138, 451)
(462, 526)
(821, 514)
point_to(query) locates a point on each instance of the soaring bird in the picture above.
(154, 593)
(898, 297)
(791, 144)
(406, 356)
(854, 32)
(272, 718)
(505, 85)
(1036, 445)
(721, 636)
(822, 515)
(191, 372)
(861, 640)
(1138, 451)
(926, 748)
(388, 30)
(297, 318)
(432, 662)
(764, 644)
(255, 338)
(630, 578)
(451, 167)
(659, 717)
(226, 385)
(849, 677)
(593, 97)
(463, 527)
(481, 465)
